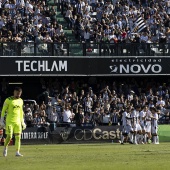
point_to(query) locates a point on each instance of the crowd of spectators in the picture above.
(29, 21)
(94, 102)
(97, 20)
(113, 20)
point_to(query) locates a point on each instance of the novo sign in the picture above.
(136, 66)
(41, 65)
(96, 133)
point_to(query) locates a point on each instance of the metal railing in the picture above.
(83, 49)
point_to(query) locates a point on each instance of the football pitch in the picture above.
(88, 157)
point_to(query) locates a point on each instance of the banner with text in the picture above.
(35, 135)
(44, 66)
(86, 134)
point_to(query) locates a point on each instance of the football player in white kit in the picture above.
(126, 123)
(155, 126)
(135, 125)
(142, 118)
(148, 125)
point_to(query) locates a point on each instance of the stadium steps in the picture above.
(75, 46)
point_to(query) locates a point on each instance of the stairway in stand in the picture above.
(75, 46)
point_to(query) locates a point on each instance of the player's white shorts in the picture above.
(127, 129)
(137, 128)
(143, 127)
(148, 127)
(154, 130)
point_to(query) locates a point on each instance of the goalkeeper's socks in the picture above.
(17, 142)
(7, 140)
(5, 152)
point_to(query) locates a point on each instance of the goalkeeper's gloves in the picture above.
(23, 125)
(2, 124)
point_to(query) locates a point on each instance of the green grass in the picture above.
(89, 157)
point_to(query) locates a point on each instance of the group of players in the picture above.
(140, 125)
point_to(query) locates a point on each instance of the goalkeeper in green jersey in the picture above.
(13, 107)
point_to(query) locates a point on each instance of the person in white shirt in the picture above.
(155, 126)
(87, 7)
(127, 125)
(148, 124)
(59, 30)
(160, 102)
(68, 17)
(87, 35)
(142, 118)
(112, 39)
(67, 115)
(144, 38)
(53, 115)
(87, 16)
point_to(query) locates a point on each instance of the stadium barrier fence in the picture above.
(83, 49)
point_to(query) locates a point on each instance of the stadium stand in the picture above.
(80, 28)
(118, 22)
(102, 101)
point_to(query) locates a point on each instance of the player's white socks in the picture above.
(157, 139)
(154, 139)
(122, 139)
(135, 139)
(145, 138)
(138, 138)
(131, 137)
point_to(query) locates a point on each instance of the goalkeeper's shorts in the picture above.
(12, 128)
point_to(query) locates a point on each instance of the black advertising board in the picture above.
(84, 66)
(83, 134)
(35, 135)
(86, 134)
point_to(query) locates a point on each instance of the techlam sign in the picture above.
(40, 65)
(136, 66)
